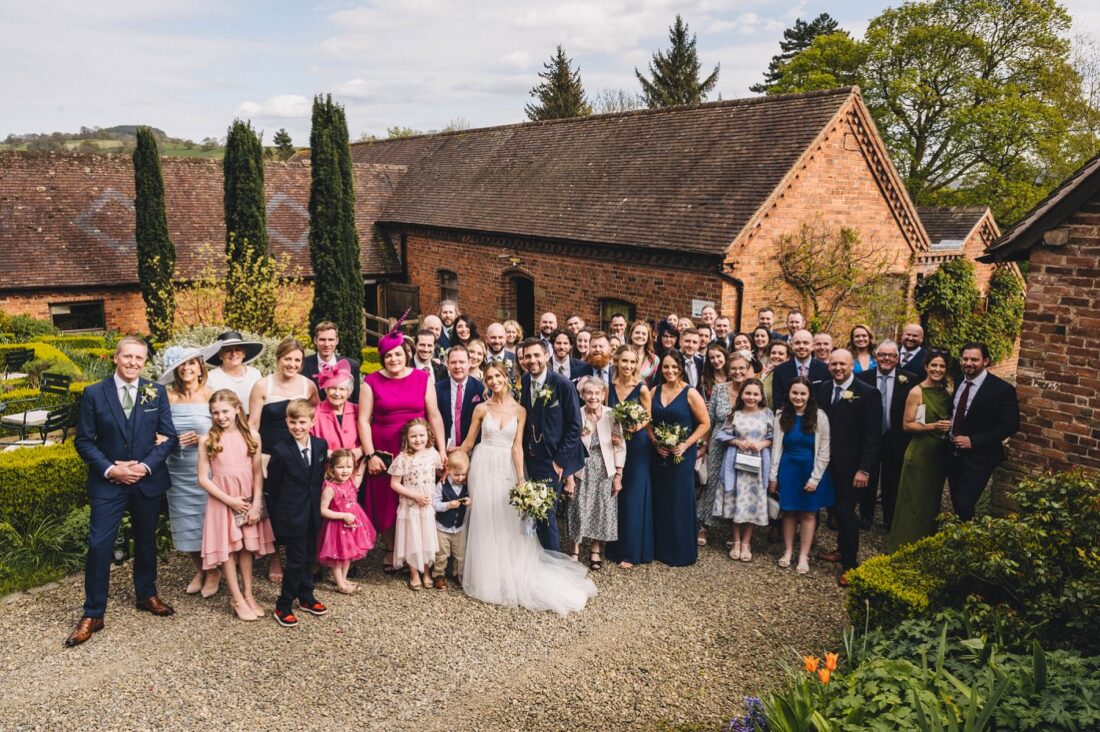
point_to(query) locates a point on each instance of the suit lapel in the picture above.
(115, 405)
(138, 411)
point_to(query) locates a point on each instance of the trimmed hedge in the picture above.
(906, 584)
(73, 341)
(41, 481)
(41, 351)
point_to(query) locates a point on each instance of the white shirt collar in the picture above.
(847, 384)
(333, 362)
(120, 382)
(977, 380)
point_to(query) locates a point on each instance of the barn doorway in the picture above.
(523, 290)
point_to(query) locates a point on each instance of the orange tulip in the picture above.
(811, 663)
(830, 661)
(823, 674)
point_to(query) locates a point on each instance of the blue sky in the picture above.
(191, 66)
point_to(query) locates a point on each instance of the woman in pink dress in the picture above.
(337, 420)
(388, 400)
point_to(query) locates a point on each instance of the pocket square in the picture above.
(475, 400)
(154, 409)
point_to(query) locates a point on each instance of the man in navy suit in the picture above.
(985, 412)
(457, 396)
(562, 362)
(801, 364)
(496, 345)
(448, 311)
(855, 428)
(326, 337)
(116, 436)
(913, 354)
(552, 436)
(292, 491)
(598, 361)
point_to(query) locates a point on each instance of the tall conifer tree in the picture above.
(155, 253)
(675, 74)
(245, 225)
(795, 39)
(560, 94)
(333, 239)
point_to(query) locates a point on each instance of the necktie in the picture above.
(836, 393)
(561, 370)
(905, 356)
(458, 414)
(883, 386)
(305, 456)
(127, 400)
(802, 369)
(960, 411)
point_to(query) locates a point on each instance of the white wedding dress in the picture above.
(504, 564)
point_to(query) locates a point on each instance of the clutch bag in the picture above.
(773, 507)
(919, 419)
(240, 518)
(747, 463)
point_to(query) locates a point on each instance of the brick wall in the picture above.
(1058, 377)
(566, 280)
(836, 187)
(123, 309)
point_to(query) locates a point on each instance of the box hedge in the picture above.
(41, 481)
(41, 351)
(85, 340)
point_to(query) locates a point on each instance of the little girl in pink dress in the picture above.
(413, 478)
(347, 534)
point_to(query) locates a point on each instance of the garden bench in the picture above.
(45, 412)
(14, 360)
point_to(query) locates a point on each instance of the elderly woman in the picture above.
(337, 419)
(388, 400)
(188, 396)
(230, 355)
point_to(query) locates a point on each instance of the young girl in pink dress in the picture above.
(413, 478)
(347, 534)
(233, 530)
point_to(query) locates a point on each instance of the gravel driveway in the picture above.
(657, 648)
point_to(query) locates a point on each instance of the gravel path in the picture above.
(658, 647)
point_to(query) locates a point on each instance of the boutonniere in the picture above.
(148, 393)
(848, 395)
(546, 394)
(903, 379)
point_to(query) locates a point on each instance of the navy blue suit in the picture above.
(292, 491)
(472, 394)
(103, 435)
(552, 436)
(785, 373)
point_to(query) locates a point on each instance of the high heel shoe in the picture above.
(217, 585)
(257, 610)
(244, 613)
(196, 583)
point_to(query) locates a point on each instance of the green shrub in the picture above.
(43, 481)
(84, 340)
(36, 368)
(370, 361)
(24, 327)
(51, 547)
(41, 351)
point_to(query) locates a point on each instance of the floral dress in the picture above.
(719, 407)
(744, 497)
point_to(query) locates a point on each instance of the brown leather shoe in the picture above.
(156, 606)
(440, 582)
(842, 580)
(829, 556)
(84, 630)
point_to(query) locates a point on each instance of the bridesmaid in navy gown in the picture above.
(674, 402)
(635, 543)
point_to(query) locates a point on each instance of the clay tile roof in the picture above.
(683, 179)
(950, 225)
(67, 219)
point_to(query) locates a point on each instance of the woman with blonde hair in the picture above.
(513, 334)
(640, 338)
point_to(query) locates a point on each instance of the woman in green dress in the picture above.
(924, 470)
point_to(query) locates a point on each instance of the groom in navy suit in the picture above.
(457, 395)
(116, 436)
(552, 437)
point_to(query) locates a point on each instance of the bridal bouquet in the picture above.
(630, 416)
(669, 436)
(534, 499)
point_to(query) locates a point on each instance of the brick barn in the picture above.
(67, 249)
(642, 213)
(1058, 376)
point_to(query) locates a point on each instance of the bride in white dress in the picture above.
(504, 564)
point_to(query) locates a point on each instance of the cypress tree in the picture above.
(156, 257)
(245, 218)
(560, 93)
(795, 40)
(333, 239)
(676, 73)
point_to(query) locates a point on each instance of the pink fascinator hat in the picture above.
(335, 376)
(395, 338)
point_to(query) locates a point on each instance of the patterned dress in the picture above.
(719, 407)
(744, 498)
(593, 512)
(415, 542)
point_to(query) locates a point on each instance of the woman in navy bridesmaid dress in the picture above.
(635, 542)
(674, 402)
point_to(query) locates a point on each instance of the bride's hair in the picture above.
(418, 422)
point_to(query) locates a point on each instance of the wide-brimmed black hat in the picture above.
(252, 349)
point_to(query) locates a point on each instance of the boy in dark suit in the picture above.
(292, 490)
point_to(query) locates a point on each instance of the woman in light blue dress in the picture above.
(185, 376)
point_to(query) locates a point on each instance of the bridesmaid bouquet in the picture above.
(630, 416)
(534, 499)
(669, 436)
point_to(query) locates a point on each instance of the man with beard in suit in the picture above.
(598, 361)
(913, 354)
(448, 311)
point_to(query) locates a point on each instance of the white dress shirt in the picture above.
(800, 365)
(561, 367)
(977, 382)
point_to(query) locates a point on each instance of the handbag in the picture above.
(919, 418)
(747, 463)
(240, 518)
(773, 507)
(701, 474)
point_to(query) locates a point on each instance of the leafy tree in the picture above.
(675, 75)
(560, 94)
(832, 60)
(608, 101)
(245, 218)
(795, 40)
(284, 146)
(333, 239)
(156, 255)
